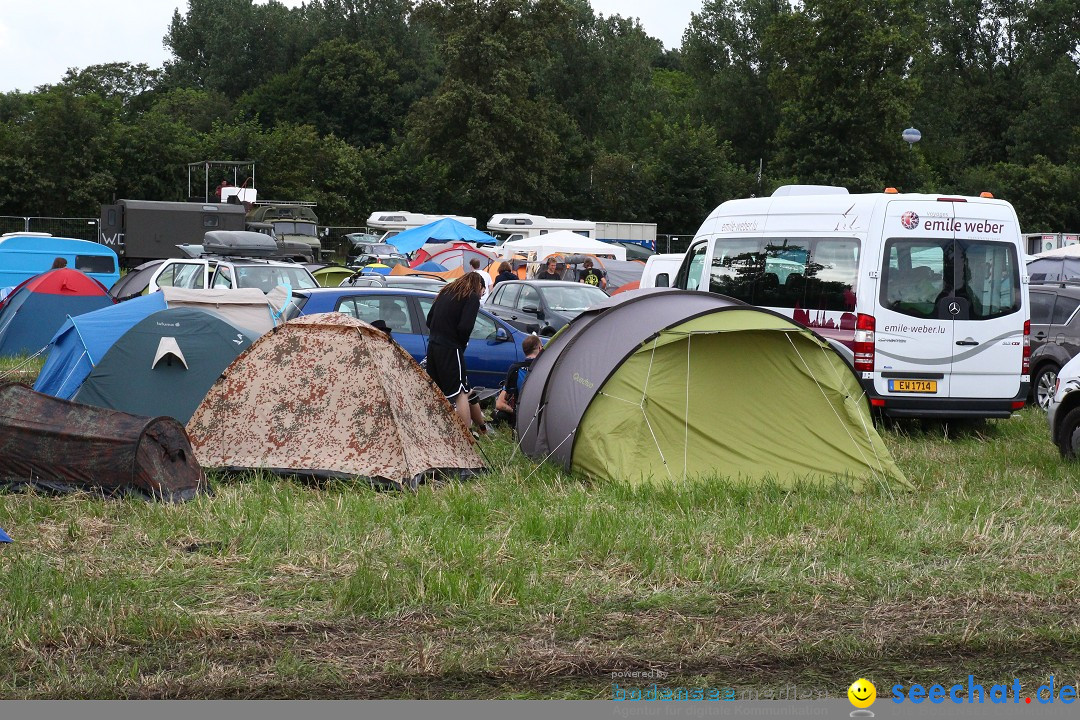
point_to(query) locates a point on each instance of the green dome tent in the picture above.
(664, 385)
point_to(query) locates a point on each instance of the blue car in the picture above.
(493, 346)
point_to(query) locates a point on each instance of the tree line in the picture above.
(474, 107)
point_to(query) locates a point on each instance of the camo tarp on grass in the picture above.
(61, 446)
(330, 396)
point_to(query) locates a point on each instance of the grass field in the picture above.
(531, 583)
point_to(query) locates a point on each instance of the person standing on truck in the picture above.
(220, 189)
(592, 276)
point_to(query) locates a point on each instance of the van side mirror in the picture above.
(530, 309)
(662, 280)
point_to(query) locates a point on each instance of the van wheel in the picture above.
(1045, 382)
(1068, 434)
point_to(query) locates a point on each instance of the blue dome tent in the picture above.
(445, 230)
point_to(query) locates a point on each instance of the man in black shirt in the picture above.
(549, 273)
(506, 402)
(592, 276)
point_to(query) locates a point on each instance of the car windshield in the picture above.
(267, 277)
(572, 299)
(295, 228)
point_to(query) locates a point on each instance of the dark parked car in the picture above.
(1055, 335)
(541, 306)
(364, 252)
(493, 346)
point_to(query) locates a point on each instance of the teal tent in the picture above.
(165, 364)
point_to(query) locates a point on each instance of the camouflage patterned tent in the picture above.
(330, 396)
(61, 446)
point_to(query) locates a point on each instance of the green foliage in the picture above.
(845, 92)
(479, 106)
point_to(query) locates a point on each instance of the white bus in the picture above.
(392, 222)
(929, 291)
(519, 226)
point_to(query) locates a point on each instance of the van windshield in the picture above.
(919, 273)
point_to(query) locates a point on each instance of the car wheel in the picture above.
(1068, 434)
(1045, 384)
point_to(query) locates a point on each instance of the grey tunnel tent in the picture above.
(165, 364)
(664, 385)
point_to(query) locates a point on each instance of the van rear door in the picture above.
(988, 329)
(914, 328)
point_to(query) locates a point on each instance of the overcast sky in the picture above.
(41, 39)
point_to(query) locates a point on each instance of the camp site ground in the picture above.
(532, 583)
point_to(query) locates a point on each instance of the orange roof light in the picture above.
(985, 194)
(891, 191)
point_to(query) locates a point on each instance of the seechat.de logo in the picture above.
(862, 695)
(909, 220)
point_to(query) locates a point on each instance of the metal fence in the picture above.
(673, 243)
(78, 228)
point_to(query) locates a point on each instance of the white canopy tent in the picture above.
(563, 241)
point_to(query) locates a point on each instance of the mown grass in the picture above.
(532, 583)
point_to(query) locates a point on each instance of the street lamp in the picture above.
(911, 136)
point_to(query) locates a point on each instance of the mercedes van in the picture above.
(929, 291)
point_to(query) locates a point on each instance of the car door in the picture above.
(491, 349)
(1042, 312)
(527, 310)
(395, 312)
(502, 300)
(192, 274)
(1065, 331)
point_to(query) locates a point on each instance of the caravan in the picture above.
(928, 291)
(392, 222)
(508, 227)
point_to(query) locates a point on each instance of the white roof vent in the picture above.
(793, 190)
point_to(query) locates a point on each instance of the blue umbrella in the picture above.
(445, 230)
(4, 536)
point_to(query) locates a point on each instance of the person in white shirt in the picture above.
(475, 265)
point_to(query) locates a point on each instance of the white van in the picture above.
(928, 291)
(660, 270)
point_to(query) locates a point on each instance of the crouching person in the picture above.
(506, 402)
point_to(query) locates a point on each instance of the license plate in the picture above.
(913, 386)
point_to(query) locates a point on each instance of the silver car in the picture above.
(1063, 411)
